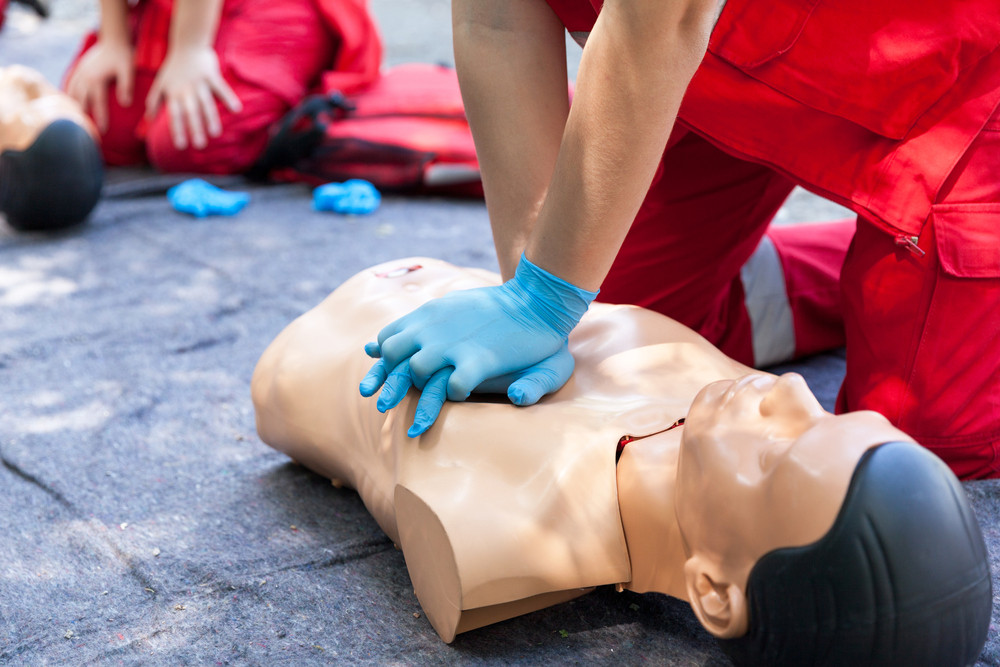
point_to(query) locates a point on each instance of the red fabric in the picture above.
(871, 104)
(407, 132)
(576, 15)
(691, 270)
(887, 108)
(720, 207)
(359, 55)
(271, 52)
(811, 260)
(3, 11)
(149, 23)
(923, 339)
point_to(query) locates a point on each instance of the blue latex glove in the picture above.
(200, 198)
(512, 335)
(354, 196)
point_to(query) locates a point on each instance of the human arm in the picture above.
(108, 61)
(637, 64)
(190, 78)
(511, 62)
(635, 68)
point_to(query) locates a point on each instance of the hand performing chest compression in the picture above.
(508, 338)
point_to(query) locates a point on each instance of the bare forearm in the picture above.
(114, 27)
(638, 61)
(194, 23)
(511, 62)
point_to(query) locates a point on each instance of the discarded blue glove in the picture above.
(200, 198)
(354, 197)
(452, 345)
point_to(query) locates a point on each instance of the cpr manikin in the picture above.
(50, 166)
(502, 510)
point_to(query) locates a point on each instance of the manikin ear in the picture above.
(721, 606)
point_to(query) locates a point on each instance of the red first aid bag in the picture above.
(407, 132)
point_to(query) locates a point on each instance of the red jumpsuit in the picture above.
(889, 108)
(271, 52)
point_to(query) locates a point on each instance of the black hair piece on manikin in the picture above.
(55, 182)
(902, 577)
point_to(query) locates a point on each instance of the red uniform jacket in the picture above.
(868, 103)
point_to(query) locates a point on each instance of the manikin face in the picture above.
(762, 466)
(29, 104)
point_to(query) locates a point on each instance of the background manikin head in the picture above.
(51, 170)
(809, 541)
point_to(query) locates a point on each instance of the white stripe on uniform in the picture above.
(767, 304)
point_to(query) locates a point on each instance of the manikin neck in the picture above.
(647, 470)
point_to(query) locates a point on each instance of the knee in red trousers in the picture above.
(225, 154)
(702, 218)
(923, 336)
(244, 137)
(122, 144)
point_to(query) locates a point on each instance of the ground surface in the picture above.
(142, 521)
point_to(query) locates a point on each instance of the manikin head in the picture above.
(51, 170)
(810, 540)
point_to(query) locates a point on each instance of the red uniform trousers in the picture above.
(923, 332)
(699, 272)
(792, 92)
(271, 52)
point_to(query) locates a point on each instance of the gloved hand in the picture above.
(200, 198)
(452, 345)
(524, 387)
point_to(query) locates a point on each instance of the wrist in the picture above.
(113, 38)
(113, 28)
(182, 46)
(193, 24)
(186, 50)
(558, 302)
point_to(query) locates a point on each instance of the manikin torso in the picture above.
(501, 510)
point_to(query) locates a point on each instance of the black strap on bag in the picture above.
(299, 133)
(41, 7)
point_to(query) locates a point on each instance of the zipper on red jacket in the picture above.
(910, 243)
